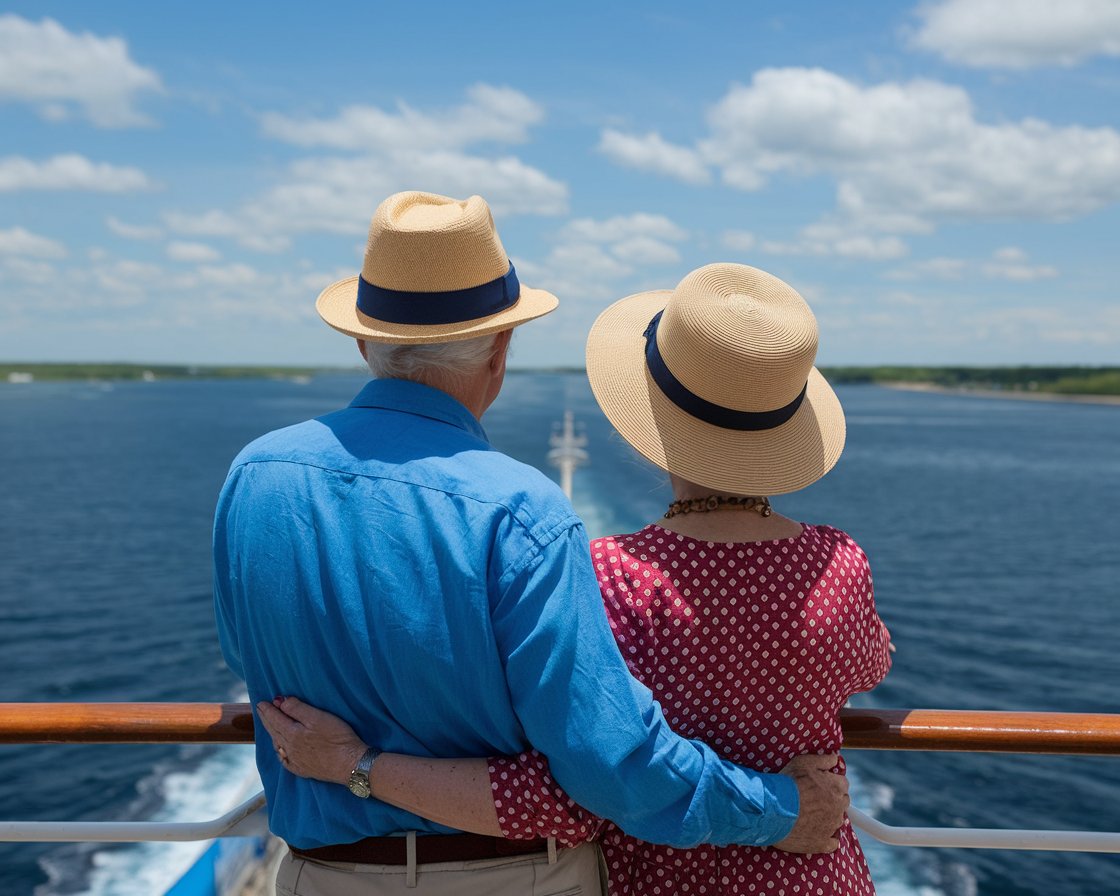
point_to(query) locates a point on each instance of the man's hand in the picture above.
(311, 743)
(824, 799)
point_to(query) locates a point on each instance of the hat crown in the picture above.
(423, 242)
(738, 337)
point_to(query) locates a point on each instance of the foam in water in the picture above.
(147, 869)
(899, 872)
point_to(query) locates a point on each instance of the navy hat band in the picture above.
(432, 308)
(702, 409)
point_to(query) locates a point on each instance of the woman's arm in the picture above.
(315, 744)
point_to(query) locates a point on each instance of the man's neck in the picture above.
(468, 391)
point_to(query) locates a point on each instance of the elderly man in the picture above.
(386, 563)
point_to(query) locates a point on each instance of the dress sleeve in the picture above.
(606, 739)
(874, 660)
(530, 804)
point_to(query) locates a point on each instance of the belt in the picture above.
(429, 849)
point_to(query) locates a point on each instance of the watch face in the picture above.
(359, 788)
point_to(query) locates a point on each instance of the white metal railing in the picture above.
(985, 838)
(246, 820)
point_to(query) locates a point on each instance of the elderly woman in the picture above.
(751, 629)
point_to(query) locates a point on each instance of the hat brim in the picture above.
(769, 462)
(337, 306)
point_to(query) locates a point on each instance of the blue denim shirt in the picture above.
(386, 563)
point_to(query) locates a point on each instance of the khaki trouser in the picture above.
(573, 872)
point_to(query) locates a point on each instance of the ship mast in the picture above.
(567, 452)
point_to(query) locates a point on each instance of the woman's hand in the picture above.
(311, 743)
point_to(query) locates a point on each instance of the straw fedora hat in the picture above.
(714, 381)
(434, 271)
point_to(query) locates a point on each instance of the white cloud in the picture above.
(69, 172)
(259, 236)
(594, 260)
(637, 239)
(739, 240)
(1011, 263)
(915, 148)
(191, 252)
(622, 227)
(229, 275)
(651, 152)
(27, 271)
(1087, 326)
(133, 231)
(939, 268)
(125, 282)
(1008, 263)
(44, 64)
(829, 239)
(1020, 34)
(401, 150)
(15, 241)
(645, 250)
(906, 156)
(498, 114)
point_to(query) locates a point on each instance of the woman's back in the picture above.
(752, 647)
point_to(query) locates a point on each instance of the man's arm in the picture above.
(607, 741)
(519, 799)
(316, 744)
(223, 605)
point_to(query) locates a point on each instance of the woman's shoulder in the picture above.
(831, 538)
(824, 532)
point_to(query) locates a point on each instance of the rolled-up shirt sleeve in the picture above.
(607, 743)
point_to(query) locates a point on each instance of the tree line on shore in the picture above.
(1072, 380)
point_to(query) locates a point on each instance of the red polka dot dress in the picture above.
(752, 647)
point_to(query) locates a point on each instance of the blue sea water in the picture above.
(990, 525)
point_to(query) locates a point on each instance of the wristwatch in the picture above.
(359, 777)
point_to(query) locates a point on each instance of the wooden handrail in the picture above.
(981, 731)
(870, 729)
(125, 723)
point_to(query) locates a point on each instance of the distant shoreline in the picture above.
(1077, 385)
(1014, 395)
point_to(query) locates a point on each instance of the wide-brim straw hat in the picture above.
(434, 271)
(727, 395)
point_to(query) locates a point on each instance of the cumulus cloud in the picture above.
(24, 271)
(938, 268)
(133, 231)
(69, 172)
(258, 235)
(1019, 34)
(652, 152)
(228, 275)
(498, 114)
(739, 240)
(828, 239)
(1008, 263)
(592, 258)
(56, 70)
(1011, 263)
(15, 241)
(621, 227)
(905, 156)
(191, 252)
(449, 152)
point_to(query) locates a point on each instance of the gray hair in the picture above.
(425, 361)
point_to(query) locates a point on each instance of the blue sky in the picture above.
(941, 181)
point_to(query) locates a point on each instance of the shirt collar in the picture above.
(416, 398)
